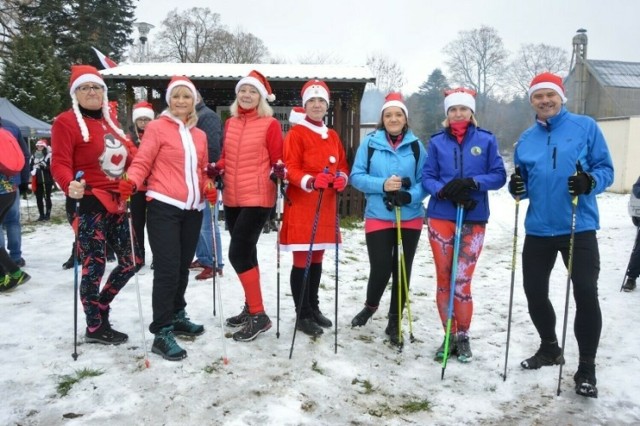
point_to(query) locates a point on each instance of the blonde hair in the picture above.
(473, 120)
(192, 118)
(264, 109)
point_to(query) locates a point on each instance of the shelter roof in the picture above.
(29, 126)
(616, 73)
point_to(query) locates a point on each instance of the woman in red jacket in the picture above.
(172, 158)
(252, 147)
(316, 162)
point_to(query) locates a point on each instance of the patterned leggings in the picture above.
(441, 238)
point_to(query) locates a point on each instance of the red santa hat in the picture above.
(314, 89)
(142, 109)
(547, 80)
(42, 142)
(395, 99)
(296, 115)
(459, 96)
(81, 74)
(180, 80)
(260, 82)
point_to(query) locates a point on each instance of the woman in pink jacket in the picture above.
(172, 158)
(251, 152)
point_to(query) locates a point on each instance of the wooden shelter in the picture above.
(217, 82)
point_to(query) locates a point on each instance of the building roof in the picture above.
(213, 71)
(616, 73)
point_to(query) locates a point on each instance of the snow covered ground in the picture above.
(365, 383)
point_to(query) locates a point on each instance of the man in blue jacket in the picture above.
(561, 157)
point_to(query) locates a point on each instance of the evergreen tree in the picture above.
(426, 106)
(32, 76)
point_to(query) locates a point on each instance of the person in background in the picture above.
(10, 273)
(633, 270)
(388, 170)
(252, 148)
(11, 223)
(42, 181)
(563, 158)
(315, 164)
(141, 115)
(172, 158)
(209, 122)
(463, 165)
(85, 138)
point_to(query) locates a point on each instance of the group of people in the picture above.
(171, 168)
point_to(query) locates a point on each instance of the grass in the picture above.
(366, 385)
(315, 367)
(67, 382)
(350, 222)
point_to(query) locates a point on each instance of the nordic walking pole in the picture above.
(225, 359)
(452, 284)
(572, 237)
(307, 266)
(629, 264)
(279, 221)
(214, 260)
(513, 280)
(76, 262)
(147, 364)
(335, 322)
(402, 272)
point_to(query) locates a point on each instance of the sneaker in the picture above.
(11, 281)
(207, 273)
(166, 346)
(363, 316)
(309, 327)
(105, 335)
(453, 350)
(320, 319)
(196, 265)
(240, 319)
(392, 331)
(255, 324)
(585, 383)
(183, 327)
(630, 285)
(544, 357)
(104, 315)
(463, 346)
(21, 262)
(69, 263)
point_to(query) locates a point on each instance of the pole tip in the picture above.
(225, 360)
(147, 364)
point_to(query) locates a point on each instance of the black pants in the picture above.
(245, 226)
(173, 236)
(634, 261)
(6, 264)
(383, 263)
(139, 218)
(43, 198)
(538, 258)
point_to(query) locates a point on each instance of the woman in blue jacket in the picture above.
(387, 169)
(463, 164)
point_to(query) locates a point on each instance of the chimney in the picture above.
(579, 70)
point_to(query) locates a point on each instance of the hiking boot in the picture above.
(166, 346)
(207, 273)
(453, 350)
(392, 331)
(630, 285)
(219, 272)
(309, 327)
(104, 315)
(585, 379)
(11, 281)
(463, 346)
(21, 262)
(240, 319)
(41, 218)
(105, 335)
(183, 327)
(547, 354)
(255, 324)
(320, 319)
(196, 265)
(363, 316)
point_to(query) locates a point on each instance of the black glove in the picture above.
(24, 188)
(580, 183)
(469, 204)
(457, 187)
(396, 199)
(406, 182)
(516, 184)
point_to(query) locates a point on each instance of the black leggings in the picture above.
(245, 226)
(538, 258)
(383, 263)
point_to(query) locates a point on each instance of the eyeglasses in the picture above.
(87, 89)
(144, 119)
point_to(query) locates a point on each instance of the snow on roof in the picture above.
(209, 71)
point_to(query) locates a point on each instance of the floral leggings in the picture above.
(441, 239)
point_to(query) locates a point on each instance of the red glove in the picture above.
(280, 171)
(213, 171)
(340, 182)
(126, 188)
(211, 193)
(322, 180)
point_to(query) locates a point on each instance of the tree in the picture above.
(9, 18)
(316, 58)
(476, 59)
(426, 106)
(32, 76)
(389, 75)
(239, 48)
(531, 60)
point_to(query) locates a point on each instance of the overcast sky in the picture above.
(414, 32)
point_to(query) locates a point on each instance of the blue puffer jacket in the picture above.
(384, 163)
(547, 156)
(477, 157)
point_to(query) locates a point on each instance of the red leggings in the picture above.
(441, 238)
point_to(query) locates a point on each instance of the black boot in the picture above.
(315, 273)
(47, 215)
(306, 322)
(392, 330)
(69, 263)
(363, 316)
